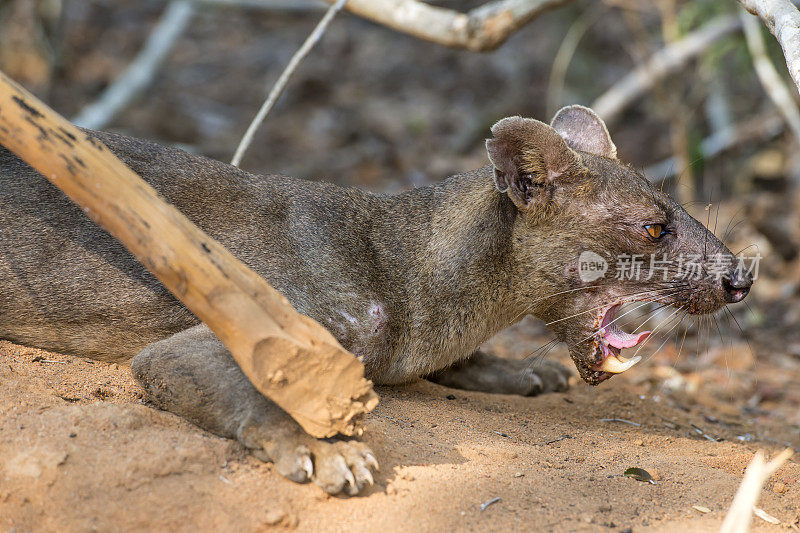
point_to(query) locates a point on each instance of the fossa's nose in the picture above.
(737, 285)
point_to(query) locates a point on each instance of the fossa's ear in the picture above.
(584, 131)
(530, 158)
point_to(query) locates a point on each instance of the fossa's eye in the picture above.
(656, 231)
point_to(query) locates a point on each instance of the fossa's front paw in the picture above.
(553, 376)
(487, 373)
(336, 467)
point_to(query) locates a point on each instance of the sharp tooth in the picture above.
(617, 365)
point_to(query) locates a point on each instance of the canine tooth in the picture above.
(617, 365)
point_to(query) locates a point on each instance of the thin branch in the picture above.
(280, 85)
(760, 127)
(783, 21)
(768, 76)
(483, 28)
(666, 61)
(140, 73)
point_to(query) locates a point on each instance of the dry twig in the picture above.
(483, 28)
(758, 471)
(280, 85)
(140, 73)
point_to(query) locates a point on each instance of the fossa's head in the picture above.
(591, 233)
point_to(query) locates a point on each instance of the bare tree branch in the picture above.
(139, 74)
(484, 28)
(783, 21)
(280, 85)
(769, 77)
(666, 61)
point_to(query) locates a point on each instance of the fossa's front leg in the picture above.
(193, 375)
(488, 373)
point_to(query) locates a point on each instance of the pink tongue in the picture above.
(619, 339)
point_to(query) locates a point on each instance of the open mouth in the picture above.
(610, 340)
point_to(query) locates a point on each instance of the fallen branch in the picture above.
(287, 356)
(663, 63)
(140, 73)
(770, 79)
(481, 29)
(783, 21)
(280, 85)
(758, 472)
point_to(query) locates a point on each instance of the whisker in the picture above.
(656, 329)
(598, 331)
(630, 295)
(745, 336)
(746, 247)
(680, 349)
(708, 220)
(649, 317)
(538, 355)
(698, 324)
(731, 220)
(728, 372)
(604, 305)
(673, 284)
(627, 312)
(675, 363)
(617, 318)
(753, 313)
(678, 323)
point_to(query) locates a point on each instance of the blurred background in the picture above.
(377, 109)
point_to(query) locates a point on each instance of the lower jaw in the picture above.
(603, 376)
(596, 377)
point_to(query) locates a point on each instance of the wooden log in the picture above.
(288, 356)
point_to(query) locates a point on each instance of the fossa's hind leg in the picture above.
(488, 373)
(193, 375)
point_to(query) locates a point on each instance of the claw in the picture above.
(368, 477)
(352, 488)
(363, 475)
(350, 478)
(371, 461)
(308, 466)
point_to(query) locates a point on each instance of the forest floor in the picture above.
(79, 451)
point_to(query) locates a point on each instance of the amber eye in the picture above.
(656, 231)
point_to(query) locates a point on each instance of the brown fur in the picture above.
(413, 283)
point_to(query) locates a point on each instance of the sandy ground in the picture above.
(79, 451)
